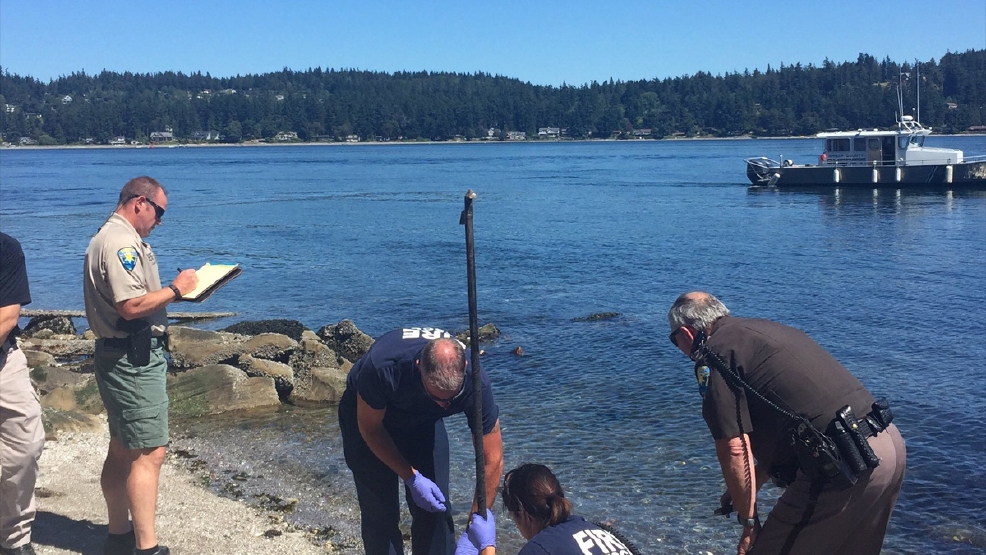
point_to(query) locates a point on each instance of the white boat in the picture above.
(875, 158)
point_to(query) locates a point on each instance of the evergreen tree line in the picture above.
(332, 104)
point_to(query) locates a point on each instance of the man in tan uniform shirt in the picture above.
(125, 304)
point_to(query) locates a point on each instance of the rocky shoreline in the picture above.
(266, 368)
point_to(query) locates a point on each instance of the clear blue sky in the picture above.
(543, 42)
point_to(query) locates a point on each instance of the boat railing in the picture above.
(890, 163)
(763, 162)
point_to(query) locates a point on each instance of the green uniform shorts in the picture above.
(135, 397)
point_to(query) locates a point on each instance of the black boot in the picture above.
(158, 550)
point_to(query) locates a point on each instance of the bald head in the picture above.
(443, 364)
(697, 310)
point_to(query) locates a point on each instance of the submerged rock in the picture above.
(597, 316)
(487, 333)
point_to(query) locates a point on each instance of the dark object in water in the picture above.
(597, 316)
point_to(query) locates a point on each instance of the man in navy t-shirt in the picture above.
(391, 419)
(22, 436)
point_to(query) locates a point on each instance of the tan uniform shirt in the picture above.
(119, 265)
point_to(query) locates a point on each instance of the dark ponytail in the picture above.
(535, 488)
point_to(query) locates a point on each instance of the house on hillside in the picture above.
(286, 136)
(549, 132)
(516, 135)
(162, 136)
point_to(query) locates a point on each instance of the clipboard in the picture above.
(211, 278)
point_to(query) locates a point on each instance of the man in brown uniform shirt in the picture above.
(787, 367)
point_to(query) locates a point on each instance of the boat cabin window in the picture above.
(901, 143)
(837, 145)
(917, 140)
(873, 143)
(859, 144)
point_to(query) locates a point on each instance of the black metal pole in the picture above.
(477, 386)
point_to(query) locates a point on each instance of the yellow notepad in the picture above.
(211, 278)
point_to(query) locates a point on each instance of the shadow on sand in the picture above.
(77, 536)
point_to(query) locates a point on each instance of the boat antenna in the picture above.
(904, 76)
(917, 68)
(900, 99)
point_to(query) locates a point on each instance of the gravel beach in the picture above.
(191, 519)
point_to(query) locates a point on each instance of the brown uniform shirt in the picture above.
(119, 266)
(785, 366)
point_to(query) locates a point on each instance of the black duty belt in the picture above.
(123, 343)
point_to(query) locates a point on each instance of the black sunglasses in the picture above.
(158, 211)
(672, 337)
(448, 401)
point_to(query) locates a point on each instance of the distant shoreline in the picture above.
(253, 144)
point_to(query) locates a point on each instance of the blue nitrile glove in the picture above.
(426, 494)
(465, 546)
(482, 531)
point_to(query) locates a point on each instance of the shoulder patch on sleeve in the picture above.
(128, 257)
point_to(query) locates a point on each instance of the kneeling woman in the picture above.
(536, 503)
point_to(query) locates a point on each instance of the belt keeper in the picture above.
(873, 424)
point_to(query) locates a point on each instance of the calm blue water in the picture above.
(893, 284)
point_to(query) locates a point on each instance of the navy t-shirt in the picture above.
(575, 536)
(13, 275)
(387, 378)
